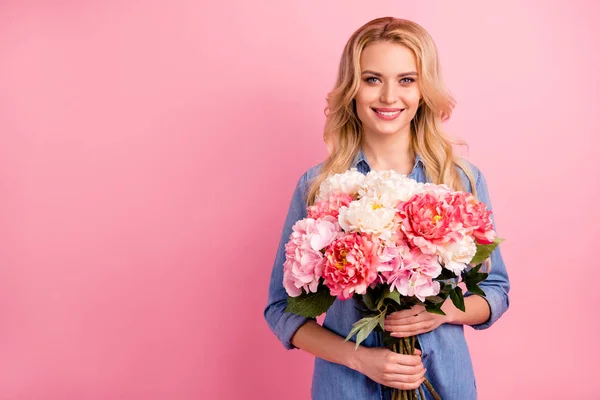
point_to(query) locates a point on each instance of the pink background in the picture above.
(148, 151)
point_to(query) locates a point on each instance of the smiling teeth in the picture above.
(388, 114)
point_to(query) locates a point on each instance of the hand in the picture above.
(388, 368)
(415, 321)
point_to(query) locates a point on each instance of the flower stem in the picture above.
(404, 344)
(431, 389)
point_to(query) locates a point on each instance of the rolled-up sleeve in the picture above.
(283, 324)
(496, 286)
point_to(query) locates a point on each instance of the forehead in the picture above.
(387, 58)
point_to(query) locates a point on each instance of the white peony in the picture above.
(368, 215)
(349, 182)
(389, 187)
(434, 189)
(456, 255)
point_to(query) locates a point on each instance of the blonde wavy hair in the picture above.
(343, 129)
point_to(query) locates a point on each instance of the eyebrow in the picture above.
(402, 75)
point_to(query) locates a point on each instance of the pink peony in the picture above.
(475, 217)
(430, 220)
(413, 273)
(351, 265)
(391, 256)
(330, 206)
(304, 262)
(419, 285)
(393, 264)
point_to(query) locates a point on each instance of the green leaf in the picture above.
(445, 289)
(387, 294)
(435, 310)
(366, 331)
(369, 300)
(445, 275)
(357, 326)
(475, 289)
(382, 320)
(484, 251)
(473, 276)
(383, 295)
(434, 299)
(395, 295)
(311, 305)
(363, 327)
(471, 272)
(457, 298)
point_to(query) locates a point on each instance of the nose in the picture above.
(389, 95)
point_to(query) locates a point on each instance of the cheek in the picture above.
(363, 101)
(366, 96)
(412, 98)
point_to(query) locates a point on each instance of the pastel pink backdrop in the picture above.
(148, 151)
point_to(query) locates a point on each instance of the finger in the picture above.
(407, 360)
(405, 313)
(398, 315)
(398, 323)
(412, 330)
(406, 383)
(417, 326)
(414, 372)
(404, 378)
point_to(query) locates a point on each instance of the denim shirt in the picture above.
(445, 353)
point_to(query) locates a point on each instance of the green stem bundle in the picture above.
(407, 346)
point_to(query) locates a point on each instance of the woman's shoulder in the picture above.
(466, 167)
(310, 174)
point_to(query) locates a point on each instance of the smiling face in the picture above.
(388, 95)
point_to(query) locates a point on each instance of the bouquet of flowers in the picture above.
(388, 242)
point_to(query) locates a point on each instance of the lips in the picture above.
(388, 113)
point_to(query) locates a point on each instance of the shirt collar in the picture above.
(360, 158)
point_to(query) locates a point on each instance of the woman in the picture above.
(385, 112)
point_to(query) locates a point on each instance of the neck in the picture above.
(384, 152)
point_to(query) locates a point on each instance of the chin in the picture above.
(387, 130)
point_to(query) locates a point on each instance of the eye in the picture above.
(369, 79)
(407, 80)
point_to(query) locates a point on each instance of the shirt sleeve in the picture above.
(284, 324)
(496, 286)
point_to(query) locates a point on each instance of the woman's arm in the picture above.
(378, 363)
(327, 345)
(497, 285)
(284, 324)
(477, 311)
